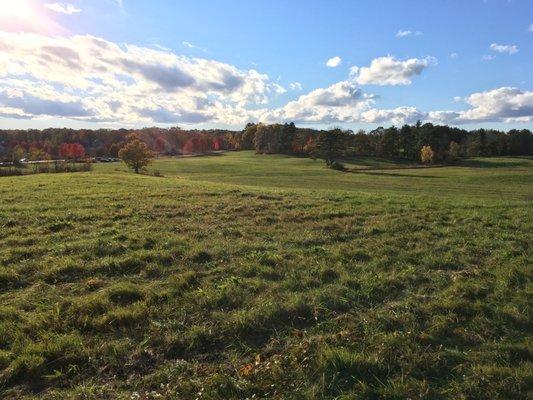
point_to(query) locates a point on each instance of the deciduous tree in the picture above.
(426, 155)
(330, 145)
(453, 152)
(136, 155)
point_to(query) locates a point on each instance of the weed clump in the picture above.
(202, 257)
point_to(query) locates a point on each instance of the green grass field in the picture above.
(243, 276)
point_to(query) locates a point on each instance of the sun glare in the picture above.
(15, 8)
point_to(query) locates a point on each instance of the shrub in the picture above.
(45, 168)
(337, 166)
(10, 171)
(63, 166)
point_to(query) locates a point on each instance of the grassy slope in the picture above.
(240, 274)
(503, 178)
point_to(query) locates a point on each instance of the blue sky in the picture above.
(223, 63)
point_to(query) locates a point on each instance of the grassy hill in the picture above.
(239, 275)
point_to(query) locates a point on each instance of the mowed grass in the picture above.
(242, 276)
(495, 178)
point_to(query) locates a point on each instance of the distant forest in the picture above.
(395, 143)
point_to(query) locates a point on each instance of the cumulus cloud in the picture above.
(506, 104)
(163, 115)
(27, 101)
(334, 62)
(390, 71)
(88, 78)
(295, 86)
(397, 116)
(504, 48)
(407, 32)
(127, 84)
(340, 102)
(32, 105)
(62, 8)
(354, 70)
(343, 102)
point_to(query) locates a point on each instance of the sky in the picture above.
(223, 63)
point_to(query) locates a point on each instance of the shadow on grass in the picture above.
(511, 162)
(376, 161)
(392, 174)
(208, 154)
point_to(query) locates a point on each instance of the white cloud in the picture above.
(340, 102)
(504, 48)
(506, 104)
(398, 116)
(343, 102)
(389, 71)
(530, 29)
(334, 62)
(295, 86)
(278, 89)
(126, 84)
(407, 32)
(63, 8)
(193, 46)
(403, 33)
(30, 104)
(91, 79)
(454, 55)
(488, 57)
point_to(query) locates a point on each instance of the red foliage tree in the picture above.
(188, 147)
(72, 151)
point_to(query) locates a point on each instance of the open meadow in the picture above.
(267, 276)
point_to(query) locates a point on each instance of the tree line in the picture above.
(67, 143)
(446, 143)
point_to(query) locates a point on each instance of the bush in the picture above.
(10, 171)
(337, 166)
(45, 168)
(62, 166)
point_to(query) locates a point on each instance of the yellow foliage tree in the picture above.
(426, 155)
(136, 155)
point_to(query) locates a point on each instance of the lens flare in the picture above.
(16, 9)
